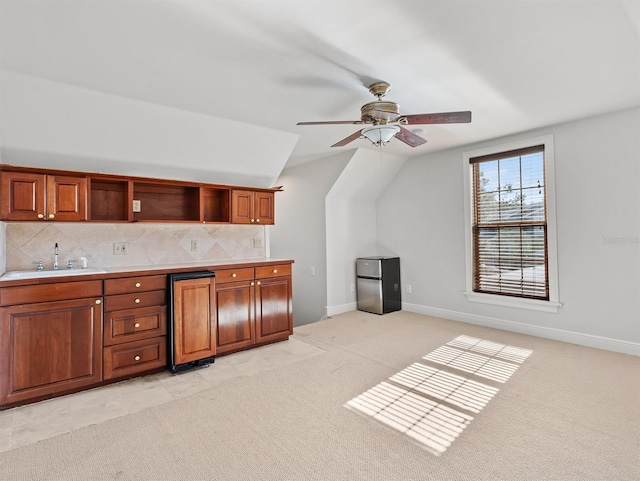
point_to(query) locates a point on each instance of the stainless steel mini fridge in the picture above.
(378, 284)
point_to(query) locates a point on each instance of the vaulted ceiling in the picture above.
(256, 68)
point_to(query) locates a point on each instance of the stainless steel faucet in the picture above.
(55, 257)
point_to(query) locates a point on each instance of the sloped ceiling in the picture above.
(247, 71)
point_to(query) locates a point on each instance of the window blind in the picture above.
(510, 224)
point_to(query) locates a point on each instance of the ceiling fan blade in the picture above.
(351, 138)
(409, 138)
(332, 122)
(439, 118)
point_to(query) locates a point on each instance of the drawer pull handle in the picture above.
(137, 284)
(137, 301)
(234, 275)
(137, 324)
(98, 301)
(137, 358)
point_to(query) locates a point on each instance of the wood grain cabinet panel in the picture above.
(252, 207)
(31, 197)
(135, 325)
(194, 322)
(132, 358)
(49, 348)
(236, 315)
(274, 320)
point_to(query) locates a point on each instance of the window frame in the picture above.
(553, 303)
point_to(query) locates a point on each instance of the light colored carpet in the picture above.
(566, 413)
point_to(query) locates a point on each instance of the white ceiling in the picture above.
(517, 65)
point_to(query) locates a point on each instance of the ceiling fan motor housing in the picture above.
(380, 112)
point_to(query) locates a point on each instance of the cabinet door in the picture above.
(236, 314)
(49, 348)
(274, 303)
(264, 207)
(22, 196)
(66, 198)
(242, 207)
(194, 320)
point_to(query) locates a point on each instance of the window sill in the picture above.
(531, 304)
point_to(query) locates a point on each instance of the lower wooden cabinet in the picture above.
(135, 325)
(274, 303)
(56, 338)
(254, 306)
(49, 348)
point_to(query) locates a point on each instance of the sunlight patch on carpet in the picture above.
(431, 405)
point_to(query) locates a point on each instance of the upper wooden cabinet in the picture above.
(31, 196)
(252, 207)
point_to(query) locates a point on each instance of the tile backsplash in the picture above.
(147, 243)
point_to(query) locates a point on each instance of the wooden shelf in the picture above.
(165, 202)
(111, 198)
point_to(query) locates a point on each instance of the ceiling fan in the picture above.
(386, 121)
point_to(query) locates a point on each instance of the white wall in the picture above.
(55, 125)
(299, 232)
(351, 222)
(420, 216)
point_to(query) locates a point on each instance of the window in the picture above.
(511, 231)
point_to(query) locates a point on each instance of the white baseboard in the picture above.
(581, 339)
(335, 310)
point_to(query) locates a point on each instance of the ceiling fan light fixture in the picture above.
(380, 135)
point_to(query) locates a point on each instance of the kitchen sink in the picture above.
(33, 274)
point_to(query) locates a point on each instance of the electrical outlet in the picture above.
(353, 287)
(408, 288)
(120, 248)
(258, 243)
(313, 271)
(194, 245)
(136, 206)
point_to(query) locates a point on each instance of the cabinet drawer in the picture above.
(233, 275)
(273, 271)
(134, 357)
(131, 301)
(126, 285)
(134, 324)
(60, 291)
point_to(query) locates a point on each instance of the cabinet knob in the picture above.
(253, 283)
(137, 358)
(234, 275)
(137, 284)
(257, 220)
(40, 216)
(258, 283)
(275, 271)
(51, 216)
(137, 324)
(137, 301)
(98, 301)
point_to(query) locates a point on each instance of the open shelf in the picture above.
(109, 200)
(166, 202)
(216, 204)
